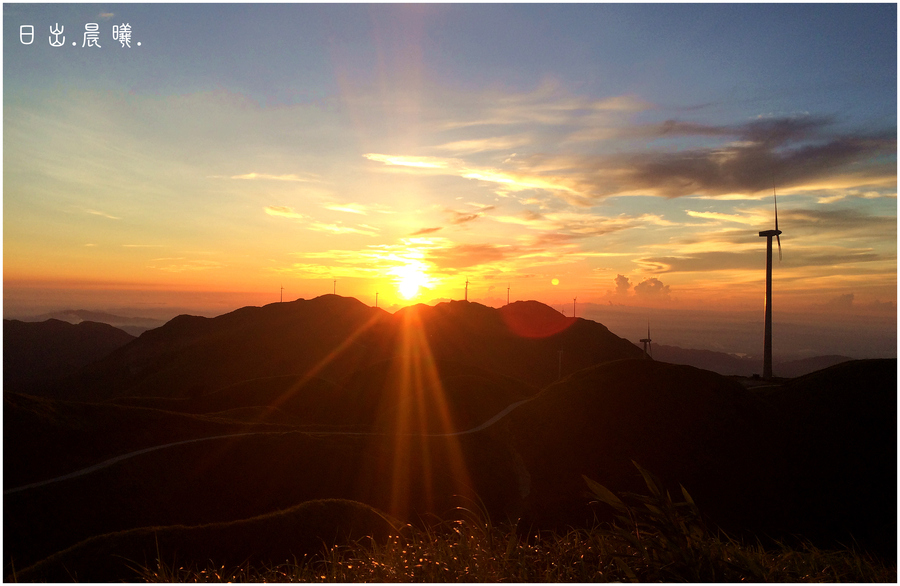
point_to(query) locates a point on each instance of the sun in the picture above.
(410, 279)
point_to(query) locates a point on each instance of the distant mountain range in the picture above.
(38, 354)
(133, 325)
(729, 364)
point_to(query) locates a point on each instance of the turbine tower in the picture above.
(281, 300)
(648, 349)
(768, 234)
(467, 289)
(573, 306)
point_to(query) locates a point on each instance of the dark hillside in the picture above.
(686, 425)
(290, 399)
(235, 478)
(815, 457)
(272, 538)
(438, 395)
(36, 354)
(843, 437)
(757, 462)
(44, 438)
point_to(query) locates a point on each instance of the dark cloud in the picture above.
(786, 151)
(426, 231)
(843, 221)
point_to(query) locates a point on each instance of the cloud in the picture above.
(797, 152)
(509, 181)
(788, 152)
(284, 212)
(103, 214)
(409, 161)
(461, 217)
(580, 224)
(363, 229)
(351, 208)
(651, 288)
(844, 301)
(839, 221)
(622, 285)
(182, 265)
(755, 220)
(266, 176)
(478, 145)
(793, 152)
(753, 259)
(467, 255)
(547, 105)
(426, 231)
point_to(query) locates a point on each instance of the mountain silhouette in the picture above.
(216, 420)
(38, 353)
(133, 325)
(332, 338)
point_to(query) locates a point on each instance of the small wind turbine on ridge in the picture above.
(648, 349)
(767, 344)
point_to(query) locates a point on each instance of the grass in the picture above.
(653, 539)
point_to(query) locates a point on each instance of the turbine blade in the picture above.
(778, 238)
(776, 211)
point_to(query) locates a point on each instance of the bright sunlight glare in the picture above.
(410, 279)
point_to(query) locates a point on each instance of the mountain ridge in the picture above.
(332, 337)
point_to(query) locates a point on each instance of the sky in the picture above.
(589, 156)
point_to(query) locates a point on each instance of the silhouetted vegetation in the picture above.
(654, 539)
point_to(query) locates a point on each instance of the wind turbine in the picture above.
(646, 342)
(573, 306)
(768, 234)
(467, 289)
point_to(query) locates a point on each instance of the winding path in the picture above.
(117, 459)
